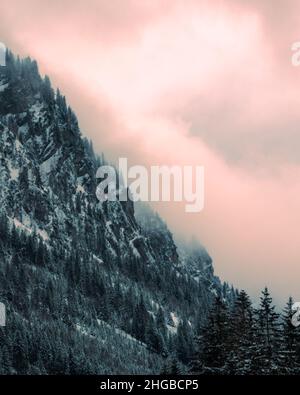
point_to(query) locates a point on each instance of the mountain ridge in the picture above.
(83, 281)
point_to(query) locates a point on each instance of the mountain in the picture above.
(89, 287)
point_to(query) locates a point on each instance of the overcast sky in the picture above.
(189, 82)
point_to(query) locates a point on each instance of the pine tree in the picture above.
(213, 342)
(140, 321)
(290, 341)
(161, 323)
(172, 366)
(23, 179)
(153, 338)
(183, 342)
(267, 337)
(47, 91)
(242, 335)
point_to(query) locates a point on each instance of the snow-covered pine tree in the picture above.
(290, 345)
(214, 341)
(266, 353)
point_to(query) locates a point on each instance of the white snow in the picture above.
(171, 329)
(175, 319)
(134, 249)
(43, 234)
(97, 259)
(155, 304)
(120, 332)
(3, 87)
(18, 145)
(26, 220)
(21, 226)
(80, 189)
(47, 166)
(109, 229)
(25, 227)
(83, 331)
(36, 111)
(14, 172)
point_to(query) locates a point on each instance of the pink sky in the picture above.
(189, 82)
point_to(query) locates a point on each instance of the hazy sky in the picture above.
(189, 82)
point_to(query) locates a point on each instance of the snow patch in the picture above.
(36, 111)
(97, 259)
(80, 189)
(21, 226)
(3, 87)
(24, 226)
(134, 249)
(14, 172)
(121, 332)
(171, 329)
(18, 145)
(43, 234)
(175, 319)
(83, 331)
(47, 166)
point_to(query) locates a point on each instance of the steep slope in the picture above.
(87, 288)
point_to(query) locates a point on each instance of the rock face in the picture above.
(89, 287)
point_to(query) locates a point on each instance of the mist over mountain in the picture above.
(89, 287)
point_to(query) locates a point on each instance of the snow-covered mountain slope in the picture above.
(68, 262)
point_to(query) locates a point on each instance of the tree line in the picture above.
(248, 340)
